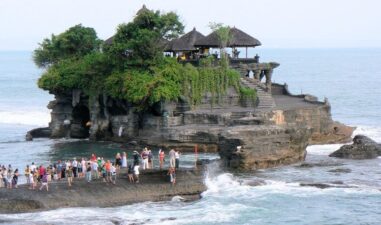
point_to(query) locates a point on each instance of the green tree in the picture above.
(224, 36)
(75, 42)
(141, 42)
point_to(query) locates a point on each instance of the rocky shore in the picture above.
(362, 148)
(154, 185)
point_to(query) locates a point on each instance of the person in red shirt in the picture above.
(42, 171)
(93, 157)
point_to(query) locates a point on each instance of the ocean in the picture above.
(349, 78)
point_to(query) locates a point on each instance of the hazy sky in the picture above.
(276, 23)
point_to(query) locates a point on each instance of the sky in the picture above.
(276, 23)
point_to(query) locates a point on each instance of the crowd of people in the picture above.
(94, 168)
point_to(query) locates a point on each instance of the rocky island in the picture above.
(151, 85)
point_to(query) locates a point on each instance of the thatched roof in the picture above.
(109, 40)
(238, 38)
(185, 42)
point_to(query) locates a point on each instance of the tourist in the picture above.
(83, 164)
(27, 173)
(172, 175)
(36, 176)
(9, 176)
(145, 158)
(63, 170)
(93, 157)
(32, 167)
(113, 173)
(88, 172)
(161, 158)
(1, 177)
(124, 160)
(79, 169)
(59, 169)
(15, 178)
(69, 175)
(55, 174)
(5, 177)
(44, 182)
(94, 170)
(108, 171)
(103, 171)
(177, 159)
(31, 180)
(49, 173)
(150, 159)
(136, 173)
(172, 158)
(74, 164)
(42, 171)
(118, 161)
(136, 158)
(130, 173)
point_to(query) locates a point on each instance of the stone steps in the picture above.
(266, 101)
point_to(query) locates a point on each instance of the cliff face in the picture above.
(270, 134)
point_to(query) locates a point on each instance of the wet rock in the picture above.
(340, 170)
(338, 182)
(28, 137)
(317, 185)
(168, 219)
(335, 184)
(336, 133)
(362, 148)
(43, 132)
(320, 164)
(255, 183)
(153, 186)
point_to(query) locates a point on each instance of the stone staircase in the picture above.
(266, 101)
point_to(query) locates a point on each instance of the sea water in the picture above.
(349, 78)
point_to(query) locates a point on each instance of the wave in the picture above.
(34, 118)
(228, 185)
(373, 132)
(323, 149)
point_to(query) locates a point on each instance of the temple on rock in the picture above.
(274, 129)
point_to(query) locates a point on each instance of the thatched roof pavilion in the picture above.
(109, 40)
(238, 38)
(185, 42)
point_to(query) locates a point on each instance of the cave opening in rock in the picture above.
(81, 116)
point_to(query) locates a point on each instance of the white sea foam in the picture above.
(323, 149)
(38, 118)
(373, 132)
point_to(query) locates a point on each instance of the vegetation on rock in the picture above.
(132, 67)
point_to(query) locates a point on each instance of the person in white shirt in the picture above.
(136, 173)
(33, 167)
(113, 173)
(172, 158)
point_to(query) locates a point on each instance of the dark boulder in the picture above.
(43, 132)
(362, 148)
